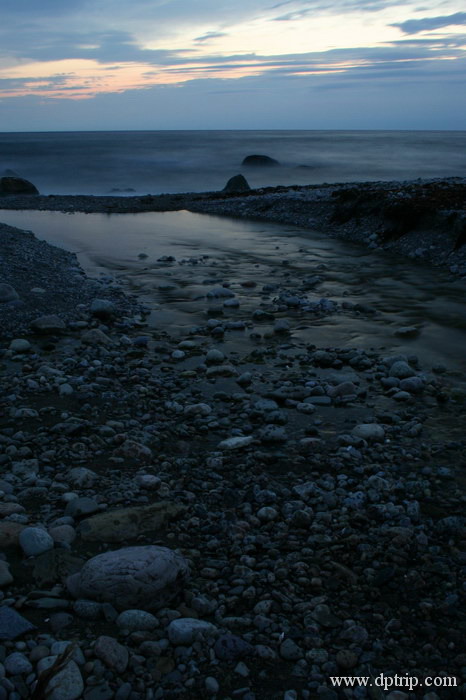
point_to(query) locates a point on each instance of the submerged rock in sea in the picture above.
(16, 185)
(145, 577)
(237, 183)
(260, 161)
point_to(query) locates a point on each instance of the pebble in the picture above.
(20, 345)
(17, 664)
(49, 324)
(112, 653)
(184, 630)
(5, 574)
(236, 443)
(401, 370)
(369, 431)
(7, 293)
(134, 620)
(35, 541)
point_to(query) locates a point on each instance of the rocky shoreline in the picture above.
(182, 520)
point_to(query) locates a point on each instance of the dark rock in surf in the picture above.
(16, 185)
(260, 161)
(238, 183)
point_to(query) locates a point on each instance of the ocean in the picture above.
(154, 162)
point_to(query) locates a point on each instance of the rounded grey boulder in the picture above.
(146, 577)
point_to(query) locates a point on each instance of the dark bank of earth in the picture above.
(316, 494)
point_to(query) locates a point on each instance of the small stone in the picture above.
(214, 357)
(81, 506)
(136, 620)
(267, 514)
(229, 647)
(64, 534)
(290, 651)
(112, 653)
(323, 615)
(7, 293)
(5, 575)
(197, 409)
(17, 663)
(48, 324)
(67, 684)
(102, 308)
(401, 370)
(346, 659)
(242, 670)
(369, 431)
(20, 345)
(65, 389)
(88, 609)
(220, 293)
(235, 443)
(184, 630)
(12, 624)
(35, 541)
(96, 337)
(211, 685)
(282, 326)
(82, 477)
(407, 332)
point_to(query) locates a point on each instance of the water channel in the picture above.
(208, 251)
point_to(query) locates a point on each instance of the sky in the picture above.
(70, 65)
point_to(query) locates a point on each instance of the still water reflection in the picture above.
(210, 250)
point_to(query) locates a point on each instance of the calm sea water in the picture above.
(196, 161)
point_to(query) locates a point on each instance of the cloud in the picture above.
(414, 26)
(209, 36)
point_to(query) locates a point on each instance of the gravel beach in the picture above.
(180, 519)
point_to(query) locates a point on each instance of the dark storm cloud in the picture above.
(414, 26)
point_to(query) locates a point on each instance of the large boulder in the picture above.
(237, 183)
(16, 185)
(145, 577)
(260, 161)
